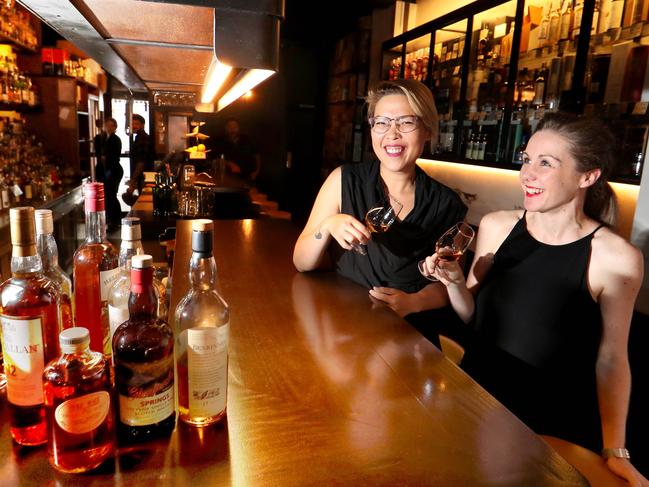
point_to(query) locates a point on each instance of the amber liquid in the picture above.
(144, 366)
(380, 228)
(66, 312)
(183, 397)
(91, 311)
(30, 296)
(66, 380)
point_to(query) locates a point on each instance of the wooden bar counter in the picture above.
(325, 388)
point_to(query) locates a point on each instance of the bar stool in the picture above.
(589, 464)
(452, 349)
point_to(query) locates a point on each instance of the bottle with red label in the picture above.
(78, 406)
(30, 318)
(95, 270)
(143, 354)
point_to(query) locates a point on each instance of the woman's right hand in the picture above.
(346, 230)
(449, 273)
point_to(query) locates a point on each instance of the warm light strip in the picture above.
(630, 189)
(216, 75)
(244, 84)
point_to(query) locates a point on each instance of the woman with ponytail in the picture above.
(554, 292)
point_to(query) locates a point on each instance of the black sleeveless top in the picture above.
(538, 334)
(392, 257)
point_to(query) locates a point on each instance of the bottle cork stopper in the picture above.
(202, 225)
(44, 222)
(23, 231)
(131, 229)
(142, 261)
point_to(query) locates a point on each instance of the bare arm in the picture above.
(326, 222)
(619, 268)
(494, 228)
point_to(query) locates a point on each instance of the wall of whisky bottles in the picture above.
(497, 67)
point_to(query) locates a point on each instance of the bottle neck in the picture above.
(48, 251)
(95, 226)
(142, 302)
(202, 271)
(30, 264)
(77, 349)
(127, 249)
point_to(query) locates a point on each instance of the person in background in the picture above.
(99, 139)
(141, 154)
(240, 152)
(110, 172)
(402, 117)
(552, 290)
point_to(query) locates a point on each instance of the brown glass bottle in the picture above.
(95, 270)
(144, 362)
(78, 405)
(29, 312)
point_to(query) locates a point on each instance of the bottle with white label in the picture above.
(119, 292)
(94, 271)
(78, 406)
(29, 315)
(201, 327)
(143, 354)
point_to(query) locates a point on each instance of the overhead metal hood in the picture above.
(172, 46)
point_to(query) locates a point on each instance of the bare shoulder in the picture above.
(499, 222)
(494, 228)
(613, 255)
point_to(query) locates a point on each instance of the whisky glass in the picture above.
(378, 220)
(450, 246)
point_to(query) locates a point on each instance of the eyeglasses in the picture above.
(405, 123)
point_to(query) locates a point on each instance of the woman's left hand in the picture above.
(623, 468)
(399, 301)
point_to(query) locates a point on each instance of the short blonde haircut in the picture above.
(419, 98)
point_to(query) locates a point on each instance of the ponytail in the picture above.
(601, 204)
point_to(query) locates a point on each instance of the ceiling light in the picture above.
(246, 81)
(216, 76)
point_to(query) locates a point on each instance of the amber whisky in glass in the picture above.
(143, 354)
(78, 405)
(29, 314)
(94, 271)
(202, 320)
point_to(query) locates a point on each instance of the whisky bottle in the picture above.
(121, 289)
(78, 405)
(143, 354)
(201, 327)
(29, 313)
(94, 271)
(49, 253)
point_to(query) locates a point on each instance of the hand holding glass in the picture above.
(450, 246)
(378, 220)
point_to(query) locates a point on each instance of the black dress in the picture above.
(538, 335)
(392, 257)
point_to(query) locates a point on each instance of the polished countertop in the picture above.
(325, 388)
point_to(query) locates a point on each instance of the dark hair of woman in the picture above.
(594, 147)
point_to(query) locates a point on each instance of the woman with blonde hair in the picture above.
(402, 117)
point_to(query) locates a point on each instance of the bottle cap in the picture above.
(74, 339)
(44, 222)
(94, 196)
(131, 229)
(202, 231)
(142, 261)
(141, 272)
(23, 231)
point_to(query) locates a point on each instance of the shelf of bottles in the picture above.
(16, 26)
(26, 176)
(16, 89)
(583, 56)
